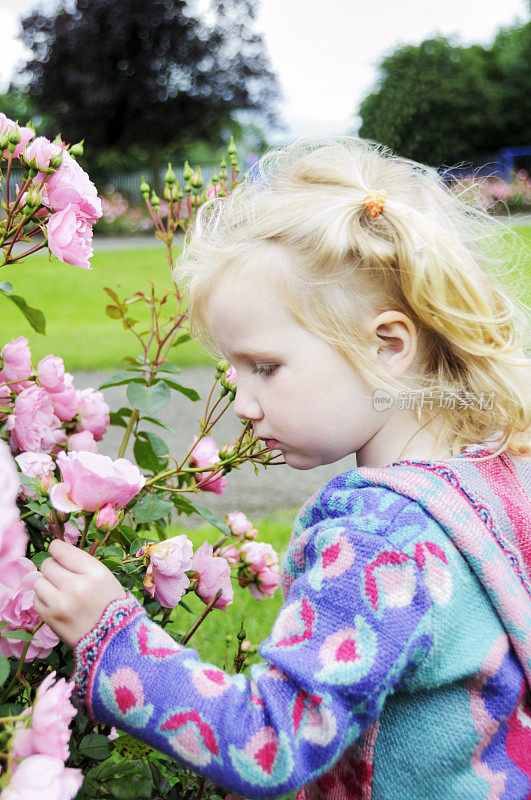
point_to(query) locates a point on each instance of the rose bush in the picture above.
(55, 483)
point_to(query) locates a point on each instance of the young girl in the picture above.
(349, 289)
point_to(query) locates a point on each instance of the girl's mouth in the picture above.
(273, 444)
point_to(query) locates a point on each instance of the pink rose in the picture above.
(16, 608)
(91, 480)
(70, 185)
(166, 577)
(26, 134)
(51, 716)
(84, 440)
(93, 411)
(51, 373)
(71, 533)
(260, 570)
(39, 153)
(107, 519)
(70, 237)
(43, 777)
(65, 402)
(5, 396)
(230, 554)
(266, 583)
(238, 523)
(17, 363)
(36, 465)
(13, 536)
(231, 377)
(212, 573)
(212, 191)
(33, 422)
(206, 454)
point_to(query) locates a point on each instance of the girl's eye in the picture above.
(264, 369)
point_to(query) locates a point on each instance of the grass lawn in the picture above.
(258, 615)
(74, 303)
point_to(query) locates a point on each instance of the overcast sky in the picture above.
(325, 51)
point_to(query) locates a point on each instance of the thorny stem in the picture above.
(27, 253)
(58, 525)
(202, 616)
(84, 534)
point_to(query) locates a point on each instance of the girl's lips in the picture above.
(272, 444)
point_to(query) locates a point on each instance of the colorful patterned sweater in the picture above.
(397, 668)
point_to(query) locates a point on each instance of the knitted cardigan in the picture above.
(399, 667)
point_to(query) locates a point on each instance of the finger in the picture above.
(72, 558)
(44, 593)
(54, 572)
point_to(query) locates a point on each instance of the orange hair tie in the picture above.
(374, 202)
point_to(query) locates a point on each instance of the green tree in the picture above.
(511, 56)
(434, 102)
(146, 73)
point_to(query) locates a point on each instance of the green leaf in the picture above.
(39, 558)
(21, 636)
(133, 787)
(182, 504)
(6, 287)
(112, 294)
(170, 368)
(184, 337)
(4, 669)
(35, 317)
(148, 399)
(96, 746)
(190, 393)
(149, 450)
(119, 380)
(159, 423)
(129, 747)
(207, 514)
(127, 532)
(149, 509)
(113, 312)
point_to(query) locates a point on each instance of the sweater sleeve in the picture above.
(356, 620)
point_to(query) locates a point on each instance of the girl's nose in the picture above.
(246, 406)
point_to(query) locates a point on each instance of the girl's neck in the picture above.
(401, 438)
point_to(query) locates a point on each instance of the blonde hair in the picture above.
(427, 255)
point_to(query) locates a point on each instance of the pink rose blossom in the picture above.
(93, 411)
(238, 523)
(113, 734)
(39, 153)
(206, 454)
(16, 608)
(84, 440)
(91, 480)
(71, 533)
(5, 395)
(166, 577)
(51, 373)
(13, 536)
(65, 402)
(231, 377)
(70, 237)
(260, 569)
(71, 186)
(43, 777)
(17, 363)
(51, 716)
(212, 191)
(26, 134)
(33, 422)
(213, 573)
(36, 465)
(107, 518)
(230, 554)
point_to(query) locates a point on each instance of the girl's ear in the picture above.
(394, 340)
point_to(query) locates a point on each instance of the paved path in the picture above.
(274, 488)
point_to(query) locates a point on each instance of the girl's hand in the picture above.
(73, 591)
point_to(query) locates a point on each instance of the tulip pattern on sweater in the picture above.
(389, 671)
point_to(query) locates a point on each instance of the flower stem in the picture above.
(20, 664)
(202, 616)
(132, 419)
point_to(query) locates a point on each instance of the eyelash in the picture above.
(264, 369)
